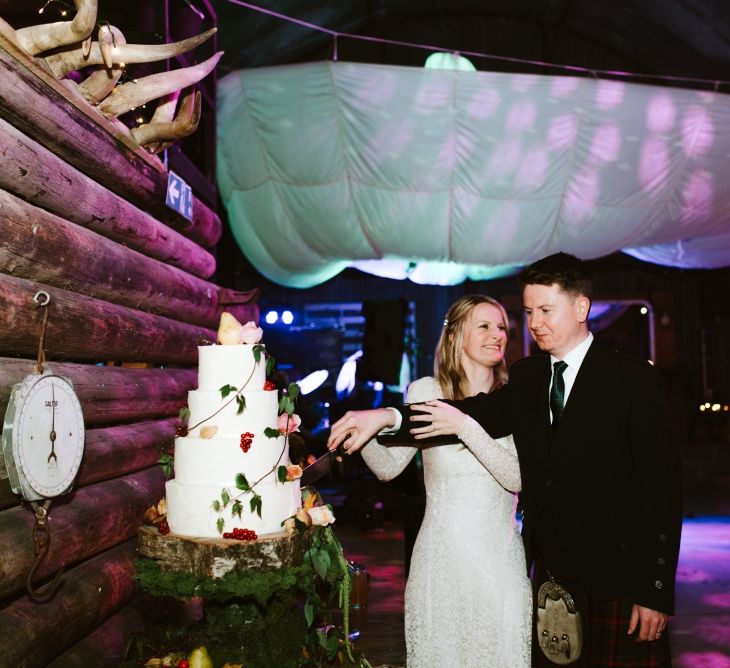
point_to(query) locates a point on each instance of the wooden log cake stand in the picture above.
(265, 603)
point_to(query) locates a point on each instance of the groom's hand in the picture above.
(651, 623)
(356, 428)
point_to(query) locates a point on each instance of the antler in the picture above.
(103, 52)
(163, 130)
(37, 39)
(131, 95)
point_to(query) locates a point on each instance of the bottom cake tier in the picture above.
(190, 509)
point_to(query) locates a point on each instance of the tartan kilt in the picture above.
(605, 642)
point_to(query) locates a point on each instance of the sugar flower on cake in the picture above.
(321, 516)
(289, 423)
(229, 330)
(293, 472)
(250, 333)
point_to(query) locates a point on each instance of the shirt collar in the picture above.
(575, 357)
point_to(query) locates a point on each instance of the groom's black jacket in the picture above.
(611, 473)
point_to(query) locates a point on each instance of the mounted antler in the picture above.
(166, 127)
(37, 39)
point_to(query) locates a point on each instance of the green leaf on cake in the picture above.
(226, 390)
(256, 504)
(184, 415)
(271, 432)
(270, 363)
(241, 401)
(320, 561)
(257, 350)
(225, 497)
(242, 483)
(220, 524)
(281, 473)
(217, 506)
(166, 462)
(293, 391)
(286, 405)
(237, 508)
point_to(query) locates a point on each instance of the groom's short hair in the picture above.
(568, 271)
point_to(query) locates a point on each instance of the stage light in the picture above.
(378, 386)
(644, 310)
(272, 317)
(287, 317)
(311, 382)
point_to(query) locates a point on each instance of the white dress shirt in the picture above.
(573, 359)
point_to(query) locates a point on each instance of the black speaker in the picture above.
(383, 340)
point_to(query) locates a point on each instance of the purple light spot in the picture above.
(531, 173)
(522, 116)
(653, 164)
(610, 94)
(721, 600)
(521, 83)
(483, 104)
(697, 198)
(561, 133)
(504, 159)
(581, 198)
(606, 143)
(697, 132)
(660, 114)
(561, 86)
(704, 660)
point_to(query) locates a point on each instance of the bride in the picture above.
(468, 598)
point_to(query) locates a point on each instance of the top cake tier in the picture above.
(230, 365)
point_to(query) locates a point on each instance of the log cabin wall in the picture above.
(83, 217)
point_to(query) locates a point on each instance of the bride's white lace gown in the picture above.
(468, 598)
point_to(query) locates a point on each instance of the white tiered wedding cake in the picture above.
(228, 471)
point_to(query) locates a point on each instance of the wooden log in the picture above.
(59, 119)
(84, 523)
(83, 328)
(35, 174)
(111, 452)
(34, 240)
(214, 558)
(111, 394)
(32, 635)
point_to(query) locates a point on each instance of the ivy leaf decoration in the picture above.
(271, 432)
(184, 415)
(216, 506)
(225, 497)
(257, 350)
(293, 391)
(270, 363)
(242, 483)
(281, 473)
(220, 524)
(309, 611)
(226, 390)
(256, 504)
(241, 401)
(237, 508)
(166, 461)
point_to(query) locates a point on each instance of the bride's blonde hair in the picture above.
(447, 363)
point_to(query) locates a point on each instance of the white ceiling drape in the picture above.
(442, 175)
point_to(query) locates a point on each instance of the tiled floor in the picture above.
(700, 632)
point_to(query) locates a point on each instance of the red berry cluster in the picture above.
(246, 440)
(163, 527)
(241, 534)
(183, 663)
(268, 386)
(181, 431)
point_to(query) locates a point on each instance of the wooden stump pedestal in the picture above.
(216, 557)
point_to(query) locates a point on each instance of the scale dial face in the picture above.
(48, 436)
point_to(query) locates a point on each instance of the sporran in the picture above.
(559, 624)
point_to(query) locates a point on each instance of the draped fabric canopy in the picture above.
(442, 175)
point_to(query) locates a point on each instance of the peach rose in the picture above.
(289, 423)
(293, 472)
(321, 516)
(250, 333)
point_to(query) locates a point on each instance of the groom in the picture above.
(601, 486)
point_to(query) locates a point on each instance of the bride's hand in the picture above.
(436, 418)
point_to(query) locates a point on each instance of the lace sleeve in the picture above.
(498, 457)
(386, 462)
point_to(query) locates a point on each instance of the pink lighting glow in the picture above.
(610, 94)
(661, 114)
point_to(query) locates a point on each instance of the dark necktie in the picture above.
(557, 392)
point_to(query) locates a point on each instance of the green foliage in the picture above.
(256, 504)
(271, 432)
(237, 508)
(241, 401)
(258, 349)
(242, 483)
(293, 391)
(225, 497)
(270, 364)
(220, 523)
(281, 473)
(166, 461)
(226, 390)
(184, 415)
